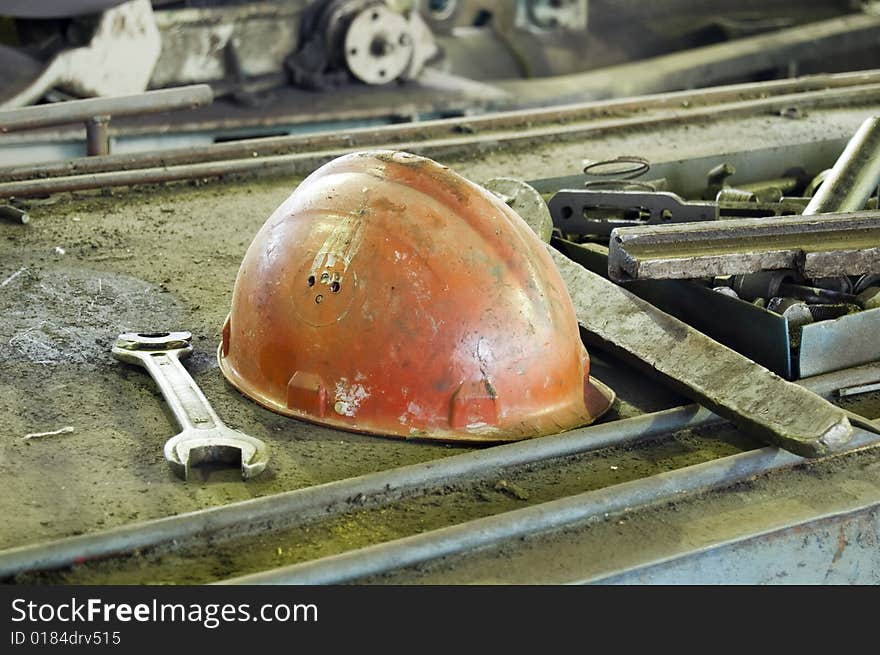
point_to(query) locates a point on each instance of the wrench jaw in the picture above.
(188, 449)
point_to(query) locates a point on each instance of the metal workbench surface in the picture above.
(90, 266)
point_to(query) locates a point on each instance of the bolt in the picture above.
(831, 312)
(792, 310)
(726, 291)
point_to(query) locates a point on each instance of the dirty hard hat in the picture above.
(390, 295)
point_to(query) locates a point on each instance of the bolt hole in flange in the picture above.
(334, 286)
(311, 280)
(567, 212)
(319, 298)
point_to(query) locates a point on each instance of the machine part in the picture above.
(118, 60)
(865, 281)
(816, 295)
(98, 136)
(815, 246)
(14, 214)
(624, 167)
(701, 67)
(203, 437)
(525, 201)
(725, 291)
(855, 176)
(598, 212)
(551, 15)
(759, 402)
(840, 283)
(816, 182)
(195, 42)
(748, 328)
(730, 194)
(361, 39)
(762, 285)
(793, 310)
(389, 295)
(333, 498)
(830, 312)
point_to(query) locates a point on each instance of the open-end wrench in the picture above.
(203, 436)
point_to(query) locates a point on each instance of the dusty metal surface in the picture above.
(815, 246)
(110, 272)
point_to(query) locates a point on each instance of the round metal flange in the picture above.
(378, 45)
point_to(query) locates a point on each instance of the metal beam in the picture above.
(76, 111)
(817, 246)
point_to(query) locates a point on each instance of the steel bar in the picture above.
(335, 497)
(76, 111)
(816, 246)
(698, 67)
(846, 392)
(306, 161)
(465, 537)
(428, 130)
(855, 175)
(747, 394)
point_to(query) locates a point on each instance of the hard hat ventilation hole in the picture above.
(311, 280)
(334, 287)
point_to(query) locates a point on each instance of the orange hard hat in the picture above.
(390, 295)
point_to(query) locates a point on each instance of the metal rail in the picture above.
(464, 537)
(816, 246)
(434, 129)
(97, 112)
(334, 498)
(303, 162)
